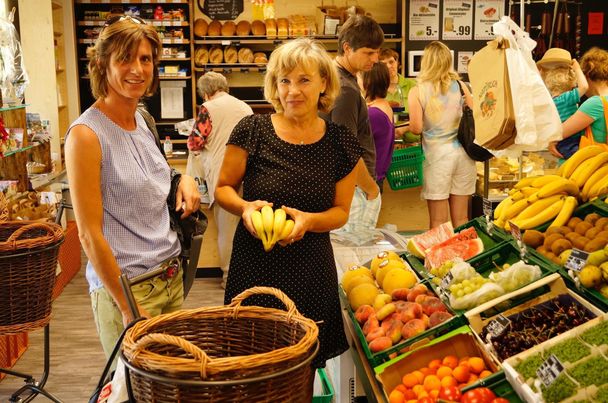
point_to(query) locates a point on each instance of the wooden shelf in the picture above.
(228, 68)
(174, 77)
(172, 59)
(254, 40)
(155, 23)
(131, 1)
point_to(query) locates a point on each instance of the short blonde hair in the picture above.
(210, 83)
(437, 66)
(559, 80)
(594, 64)
(120, 38)
(309, 55)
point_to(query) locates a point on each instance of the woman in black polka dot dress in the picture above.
(295, 160)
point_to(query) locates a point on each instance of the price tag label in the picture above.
(446, 280)
(549, 370)
(496, 326)
(487, 207)
(577, 260)
(515, 231)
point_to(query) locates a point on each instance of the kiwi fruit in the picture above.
(571, 236)
(603, 234)
(594, 244)
(533, 238)
(601, 222)
(560, 245)
(564, 229)
(592, 232)
(592, 218)
(580, 242)
(573, 221)
(542, 250)
(582, 227)
(552, 230)
(550, 239)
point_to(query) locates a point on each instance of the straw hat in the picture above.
(555, 57)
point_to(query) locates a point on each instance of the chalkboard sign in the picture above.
(223, 9)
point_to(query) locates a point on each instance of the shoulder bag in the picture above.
(466, 133)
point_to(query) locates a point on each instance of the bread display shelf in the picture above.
(131, 1)
(168, 77)
(90, 41)
(156, 23)
(230, 67)
(236, 40)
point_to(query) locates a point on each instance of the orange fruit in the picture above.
(449, 381)
(444, 371)
(434, 364)
(450, 361)
(396, 397)
(431, 382)
(419, 375)
(485, 373)
(418, 389)
(472, 378)
(476, 364)
(461, 373)
(401, 388)
(410, 380)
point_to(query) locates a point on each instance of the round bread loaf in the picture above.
(216, 54)
(230, 54)
(200, 27)
(229, 28)
(245, 55)
(215, 28)
(258, 28)
(260, 57)
(201, 56)
(243, 28)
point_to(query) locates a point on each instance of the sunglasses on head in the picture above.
(118, 18)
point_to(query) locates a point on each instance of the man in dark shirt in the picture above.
(359, 44)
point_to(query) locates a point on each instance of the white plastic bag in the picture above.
(13, 77)
(516, 276)
(195, 169)
(536, 117)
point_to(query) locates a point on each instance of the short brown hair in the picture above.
(121, 37)
(308, 54)
(376, 81)
(360, 31)
(386, 53)
(594, 64)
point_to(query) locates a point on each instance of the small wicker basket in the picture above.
(230, 353)
(28, 265)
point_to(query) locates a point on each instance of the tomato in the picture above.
(478, 395)
(451, 393)
(500, 400)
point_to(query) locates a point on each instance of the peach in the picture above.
(400, 305)
(433, 304)
(394, 331)
(410, 311)
(372, 323)
(425, 319)
(438, 317)
(414, 293)
(420, 298)
(412, 328)
(374, 334)
(400, 294)
(363, 312)
(379, 344)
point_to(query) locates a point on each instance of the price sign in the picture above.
(577, 260)
(496, 326)
(457, 20)
(487, 12)
(424, 20)
(446, 280)
(487, 207)
(515, 231)
(549, 370)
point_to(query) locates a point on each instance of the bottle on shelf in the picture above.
(168, 147)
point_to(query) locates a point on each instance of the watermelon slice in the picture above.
(421, 242)
(468, 233)
(463, 249)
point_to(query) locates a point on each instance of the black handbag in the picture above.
(466, 133)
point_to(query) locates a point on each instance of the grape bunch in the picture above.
(467, 286)
(441, 271)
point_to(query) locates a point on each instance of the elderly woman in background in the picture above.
(217, 117)
(435, 111)
(296, 160)
(120, 181)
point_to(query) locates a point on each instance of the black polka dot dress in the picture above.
(302, 176)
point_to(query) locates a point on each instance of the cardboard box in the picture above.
(327, 19)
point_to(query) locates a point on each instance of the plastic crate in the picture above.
(328, 390)
(405, 170)
(499, 384)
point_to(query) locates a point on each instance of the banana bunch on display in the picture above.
(536, 200)
(588, 169)
(271, 226)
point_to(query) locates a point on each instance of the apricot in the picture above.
(396, 396)
(412, 328)
(409, 394)
(410, 380)
(431, 382)
(450, 361)
(461, 373)
(362, 313)
(444, 371)
(379, 344)
(485, 373)
(434, 364)
(472, 378)
(448, 381)
(476, 365)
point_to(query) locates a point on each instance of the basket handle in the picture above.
(50, 229)
(164, 339)
(289, 304)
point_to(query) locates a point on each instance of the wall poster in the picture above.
(457, 20)
(487, 12)
(424, 20)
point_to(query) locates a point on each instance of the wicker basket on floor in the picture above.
(3, 208)
(28, 265)
(231, 353)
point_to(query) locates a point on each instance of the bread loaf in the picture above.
(243, 28)
(200, 27)
(260, 58)
(271, 28)
(258, 28)
(215, 28)
(201, 56)
(229, 28)
(282, 28)
(245, 55)
(230, 54)
(216, 54)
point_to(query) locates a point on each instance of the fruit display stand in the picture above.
(582, 352)
(552, 289)
(458, 343)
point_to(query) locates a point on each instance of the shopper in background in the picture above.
(435, 111)
(375, 85)
(216, 119)
(566, 84)
(359, 42)
(592, 113)
(296, 160)
(120, 181)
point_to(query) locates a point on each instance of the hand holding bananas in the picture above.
(271, 226)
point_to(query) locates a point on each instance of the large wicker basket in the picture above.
(230, 353)
(28, 265)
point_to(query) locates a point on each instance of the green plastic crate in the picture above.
(405, 170)
(328, 389)
(498, 383)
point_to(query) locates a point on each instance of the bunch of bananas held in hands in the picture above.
(271, 226)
